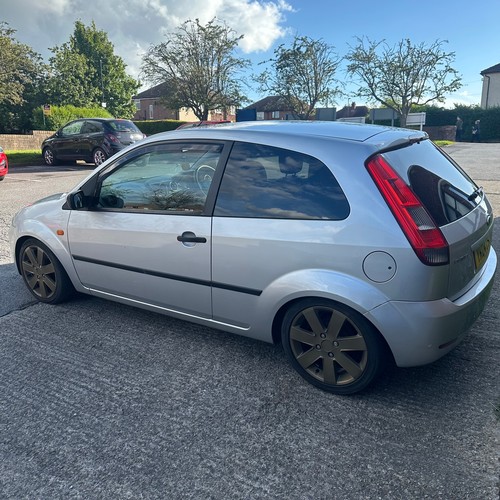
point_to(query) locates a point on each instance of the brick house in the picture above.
(269, 108)
(150, 106)
(352, 112)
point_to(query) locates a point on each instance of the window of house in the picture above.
(268, 182)
(260, 115)
(275, 115)
(137, 103)
(151, 112)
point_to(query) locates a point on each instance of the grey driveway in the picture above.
(98, 400)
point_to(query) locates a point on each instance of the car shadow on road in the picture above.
(68, 167)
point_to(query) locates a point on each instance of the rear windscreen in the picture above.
(123, 126)
(445, 190)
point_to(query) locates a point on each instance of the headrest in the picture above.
(290, 164)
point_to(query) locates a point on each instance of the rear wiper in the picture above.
(477, 192)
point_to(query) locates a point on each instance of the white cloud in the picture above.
(133, 25)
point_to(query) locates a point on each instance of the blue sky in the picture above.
(472, 29)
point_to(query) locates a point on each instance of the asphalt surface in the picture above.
(103, 401)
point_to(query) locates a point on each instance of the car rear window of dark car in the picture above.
(443, 187)
(123, 126)
(267, 182)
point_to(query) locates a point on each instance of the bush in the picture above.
(150, 127)
(490, 120)
(60, 115)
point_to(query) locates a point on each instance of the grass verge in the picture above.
(28, 157)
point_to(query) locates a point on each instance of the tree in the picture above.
(303, 75)
(86, 72)
(404, 75)
(199, 66)
(21, 79)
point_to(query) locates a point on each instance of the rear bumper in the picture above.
(422, 332)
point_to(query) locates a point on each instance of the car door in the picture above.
(148, 236)
(68, 142)
(92, 135)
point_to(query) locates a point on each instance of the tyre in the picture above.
(332, 346)
(49, 157)
(99, 156)
(43, 274)
(2, 178)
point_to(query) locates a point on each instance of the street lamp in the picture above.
(103, 104)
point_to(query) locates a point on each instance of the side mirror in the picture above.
(76, 201)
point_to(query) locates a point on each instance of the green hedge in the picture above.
(490, 120)
(60, 115)
(438, 117)
(150, 127)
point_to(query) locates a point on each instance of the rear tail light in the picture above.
(112, 138)
(424, 235)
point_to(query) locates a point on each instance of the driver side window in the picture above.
(172, 178)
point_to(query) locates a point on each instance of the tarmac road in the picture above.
(102, 401)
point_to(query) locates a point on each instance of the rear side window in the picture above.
(92, 127)
(267, 182)
(444, 189)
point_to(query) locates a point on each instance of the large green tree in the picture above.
(21, 81)
(199, 65)
(85, 71)
(403, 75)
(303, 75)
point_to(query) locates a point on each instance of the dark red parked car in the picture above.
(4, 165)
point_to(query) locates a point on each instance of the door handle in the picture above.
(189, 237)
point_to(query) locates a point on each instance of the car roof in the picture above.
(377, 136)
(99, 119)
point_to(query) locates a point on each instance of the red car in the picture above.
(202, 124)
(4, 165)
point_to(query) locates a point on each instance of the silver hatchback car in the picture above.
(354, 245)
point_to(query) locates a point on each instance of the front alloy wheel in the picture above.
(332, 346)
(49, 157)
(44, 276)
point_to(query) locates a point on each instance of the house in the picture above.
(490, 96)
(149, 106)
(269, 108)
(353, 113)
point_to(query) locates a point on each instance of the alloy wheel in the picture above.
(332, 346)
(44, 276)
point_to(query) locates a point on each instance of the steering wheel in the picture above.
(203, 176)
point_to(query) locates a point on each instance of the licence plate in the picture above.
(481, 253)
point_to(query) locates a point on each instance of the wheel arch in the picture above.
(346, 290)
(57, 247)
(280, 314)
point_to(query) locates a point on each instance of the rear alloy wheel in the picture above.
(99, 156)
(332, 346)
(44, 276)
(49, 157)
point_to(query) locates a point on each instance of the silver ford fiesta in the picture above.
(353, 245)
